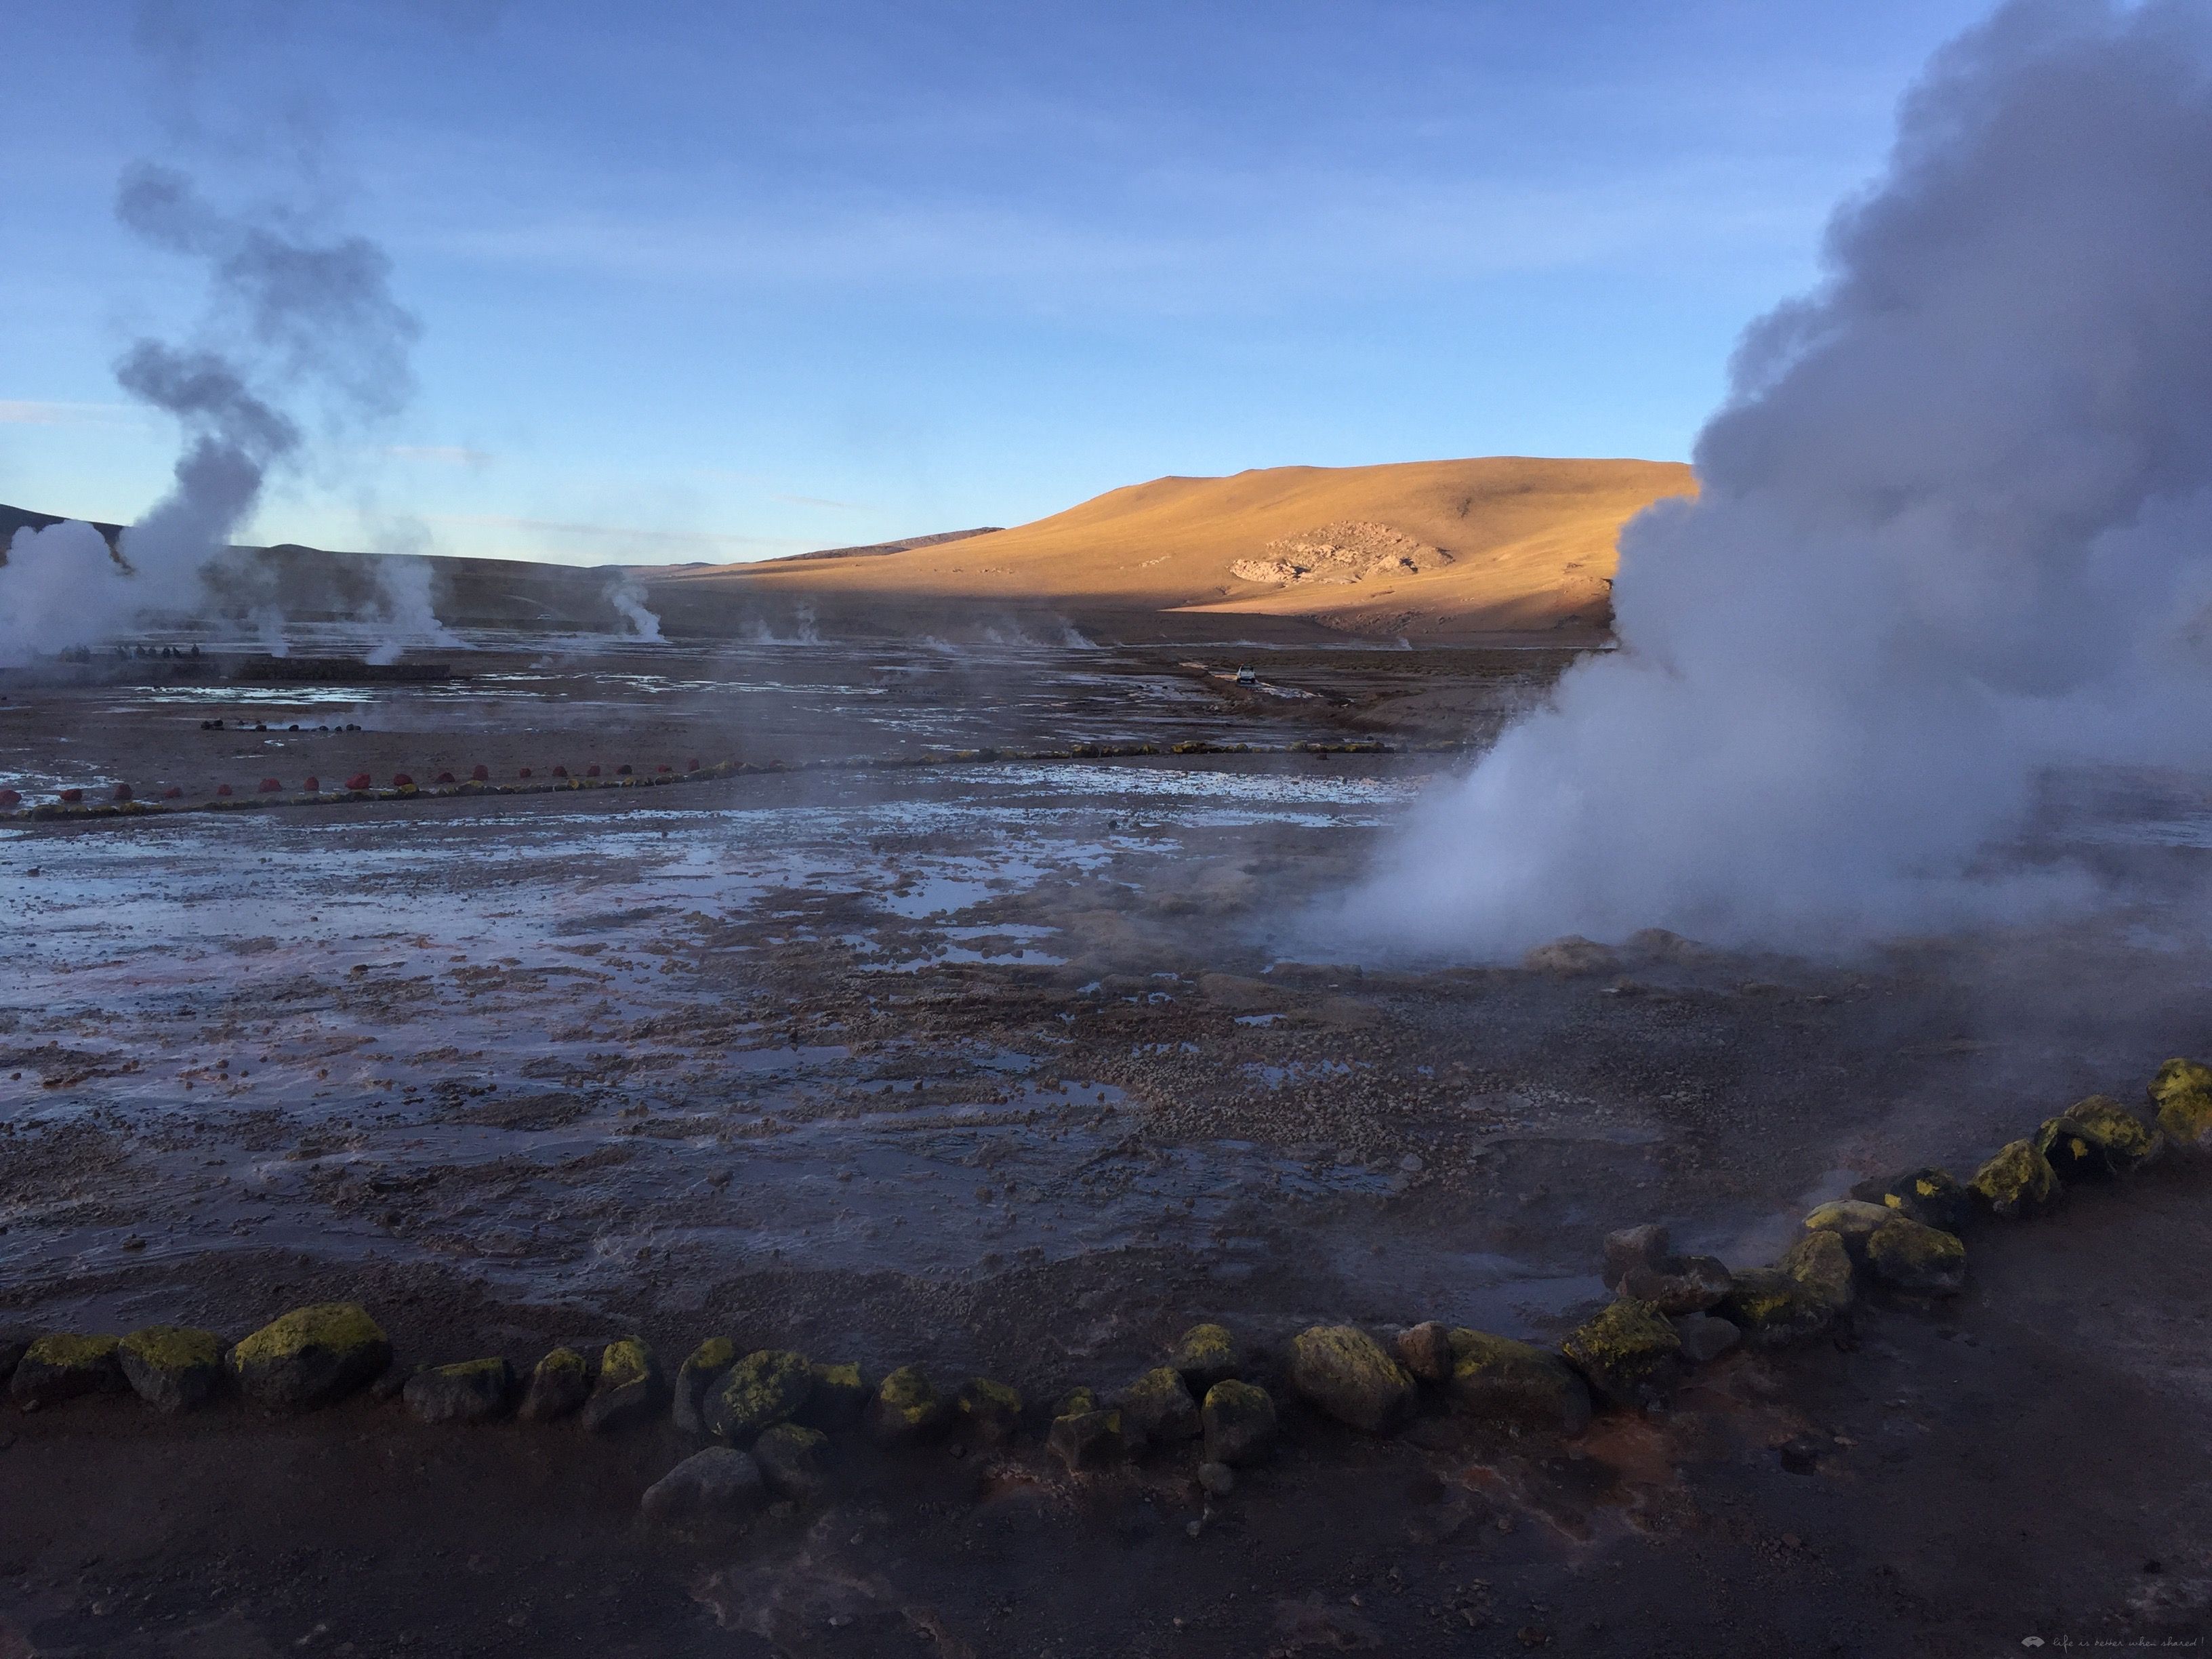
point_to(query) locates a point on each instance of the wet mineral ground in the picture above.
(1017, 1068)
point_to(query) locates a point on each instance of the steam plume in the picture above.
(627, 595)
(290, 316)
(1955, 529)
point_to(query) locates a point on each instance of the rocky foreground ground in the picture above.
(1013, 1075)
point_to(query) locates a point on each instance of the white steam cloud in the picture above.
(1955, 530)
(291, 317)
(627, 595)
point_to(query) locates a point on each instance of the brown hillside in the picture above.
(1419, 548)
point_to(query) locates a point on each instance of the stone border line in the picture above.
(774, 1418)
(70, 806)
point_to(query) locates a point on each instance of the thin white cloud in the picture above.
(439, 454)
(31, 411)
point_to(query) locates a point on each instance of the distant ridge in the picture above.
(875, 548)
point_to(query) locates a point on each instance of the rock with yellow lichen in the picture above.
(473, 1391)
(836, 1401)
(1919, 1259)
(61, 1367)
(1771, 1309)
(173, 1368)
(2097, 1137)
(696, 1378)
(1239, 1419)
(630, 1389)
(1821, 1264)
(2018, 1180)
(990, 1411)
(1515, 1383)
(1159, 1408)
(1629, 1353)
(906, 1409)
(311, 1357)
(1206, 1355)
(1930, 1196)
(2181, 1095)
(760, 1391)
(1852, 1219)
(1347, 1374)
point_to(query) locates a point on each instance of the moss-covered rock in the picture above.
(1771, 1309)
(2181, 1095)
(1345, 1373)
(718, 1483)
(1078, 1401)
(790, 1459)
(311, 1357)
(760, 1390)
(1205, 1355)
(696, 1377)
(1852, 1219)
(559, 1385)
(2097, 1137)
(1159, 1407)
(1921, 1261)
(1515, 1384)
(173, 1368)
(906, 1407)
(473, 1391)
(1239, 1419)
(989, 1410)
(1087, 1440)
(1628, 1353)
(1688, 1284)
(2017, 1181)
(836, 1401)
(1932, 1196)
(1821, 1264)
(630, 1389)
(62, 1366)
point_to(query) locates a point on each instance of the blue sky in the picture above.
(721, 281)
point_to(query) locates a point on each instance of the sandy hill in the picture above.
(1425, 547)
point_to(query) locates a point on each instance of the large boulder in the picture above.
(473, 1391)
(1921, 1260)
(718, 1482)
(2097, 1137)
(1629, 1353)
(1573, 955)
(790, 1459)
(1821, 1264)
(1159, 1408)
(559, 1385)
(2017, 1181)
(906, 1407)
(1425, 1350)
(702, 1367)
(1239, 1419)
(2181, 1095)
(1932, 1196)
(62, 1367)
(1772, 1309)
(1087, 1438)
(1647, 1246)
(630, 1391)
(173, 1368)
(1852, 1219)
(311, 1357)
(1345, 1373)
(1502, 1381)
(1705, 1337)
(1206, 1355)
(1688, 1284)
(760, 1390)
